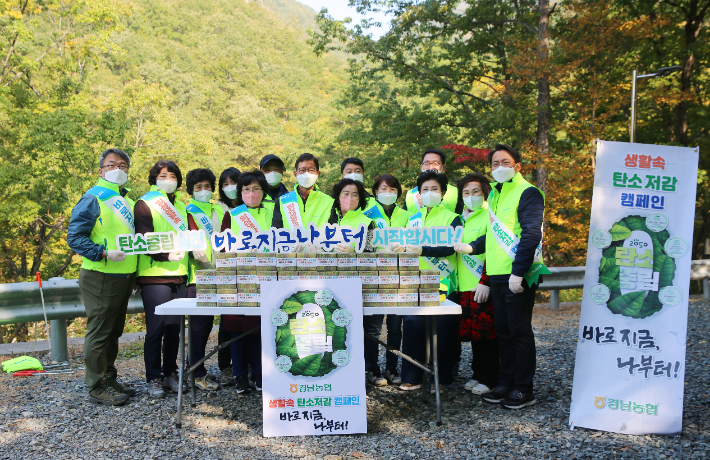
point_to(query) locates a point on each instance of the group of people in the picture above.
(481, 275)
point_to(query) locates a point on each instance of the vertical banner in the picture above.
(628, 374)
(312, 356)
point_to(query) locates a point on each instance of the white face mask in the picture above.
(116, 176)
(473, 202)
(203, 196)
(431, 199)
(230, 191)
(273, 178)
(306, 180)
(387, 198)
(353, 176)
(168, 185)
(503, 174)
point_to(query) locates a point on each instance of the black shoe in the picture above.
(256, 383)
(497, 394)
(105, 393)
(517, 400)
(242, 384)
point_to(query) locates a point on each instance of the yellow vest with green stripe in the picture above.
(108, 226)
(474, 227)
(448, 201)
(202, 213)
(353, 219)
(505, 206)
(263, 216)
(317, 208)
(438, 216)
(399, 217)
(146, 265)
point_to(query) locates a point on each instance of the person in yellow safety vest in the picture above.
(433, 186)
(162, 276)
(306, 204)
(251, 214)
(433, 160)
(386, 190)
(205, 216)
(476, 324)
(107, 274)
(512, 246)
(273, 168)
(353, 168)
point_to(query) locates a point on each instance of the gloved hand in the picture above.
(463, 248)
(414, 248)
(396, 247)
(515, 284)
(344, 247)
(311, 247)
(115, 255)
(201, 256)
(480, 293)
(297, 248)
(176, 256)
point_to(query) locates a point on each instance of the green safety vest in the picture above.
(146, 265)
(353, 219)
(439, 216)
(116, 218)
(263, 217)
(448, 201)
(399, 218)
(505, 206)
(202, 213)
(21, 363)
(317, 209)
(466, 267)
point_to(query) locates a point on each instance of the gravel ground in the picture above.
(50, 417)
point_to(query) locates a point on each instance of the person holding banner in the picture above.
(386, 190)
(433, 186)
(162, 276)
(273, 169)
(251, 214)
(473, 292)
(201, 215)
(433, 160)
(306, 204)
(512, 246)
(107, 274)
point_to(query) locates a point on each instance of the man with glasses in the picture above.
(107, 274)
(432, 160)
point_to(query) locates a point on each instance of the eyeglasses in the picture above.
(507, 163)
(123, 168)
(436, 164)
(252, 190)
(304, 171)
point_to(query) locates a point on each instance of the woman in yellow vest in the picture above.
(201, 215)
(476, 321)
(162, 277)
(250, 211)
(433, 187)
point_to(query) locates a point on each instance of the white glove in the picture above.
(396, 247)
(515, 284)
(201, 256)
(413, 248)
(311, 248)
(344, 247)
(176, 256)
(463, 248)
(480, 293)
(297, 248)
(115, 255)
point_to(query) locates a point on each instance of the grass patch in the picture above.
(131, 350)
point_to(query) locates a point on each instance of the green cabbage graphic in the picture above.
(312, 365)
(633, 304)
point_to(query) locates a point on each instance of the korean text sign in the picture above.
(312, 358)
(630, 363)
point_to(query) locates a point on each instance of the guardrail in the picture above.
(21, 302)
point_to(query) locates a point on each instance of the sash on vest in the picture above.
(160, 204)
(416, 220)
(473, 264)
(245, 219)
(203, 221)
(116, 204)
(508, 242)
(375, 214)
(293, 211)
(417, 198)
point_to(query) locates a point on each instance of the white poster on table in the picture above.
(312, 357)
(628, 375)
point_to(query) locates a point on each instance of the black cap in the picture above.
(271, 157)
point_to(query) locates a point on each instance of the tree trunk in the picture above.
(543, 95)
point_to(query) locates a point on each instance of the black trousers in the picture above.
(224, 356)
(413, 345)
(485, 362)
(162, 332)
(201, 329)
(372, 324)
(516, 341)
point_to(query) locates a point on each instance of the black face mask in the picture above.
(431, 170)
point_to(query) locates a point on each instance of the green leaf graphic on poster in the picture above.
(636, 304)
(339, 338)
(306, 366)
(291, 305)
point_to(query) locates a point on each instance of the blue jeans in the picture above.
(245, 351)
(413, 345)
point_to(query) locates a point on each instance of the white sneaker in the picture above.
(480, 389)
(393, 377)
(375, 378)
(470, 384)
(409, 386)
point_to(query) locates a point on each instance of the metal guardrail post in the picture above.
(58, 330)
(706, 288)
(554, 299)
